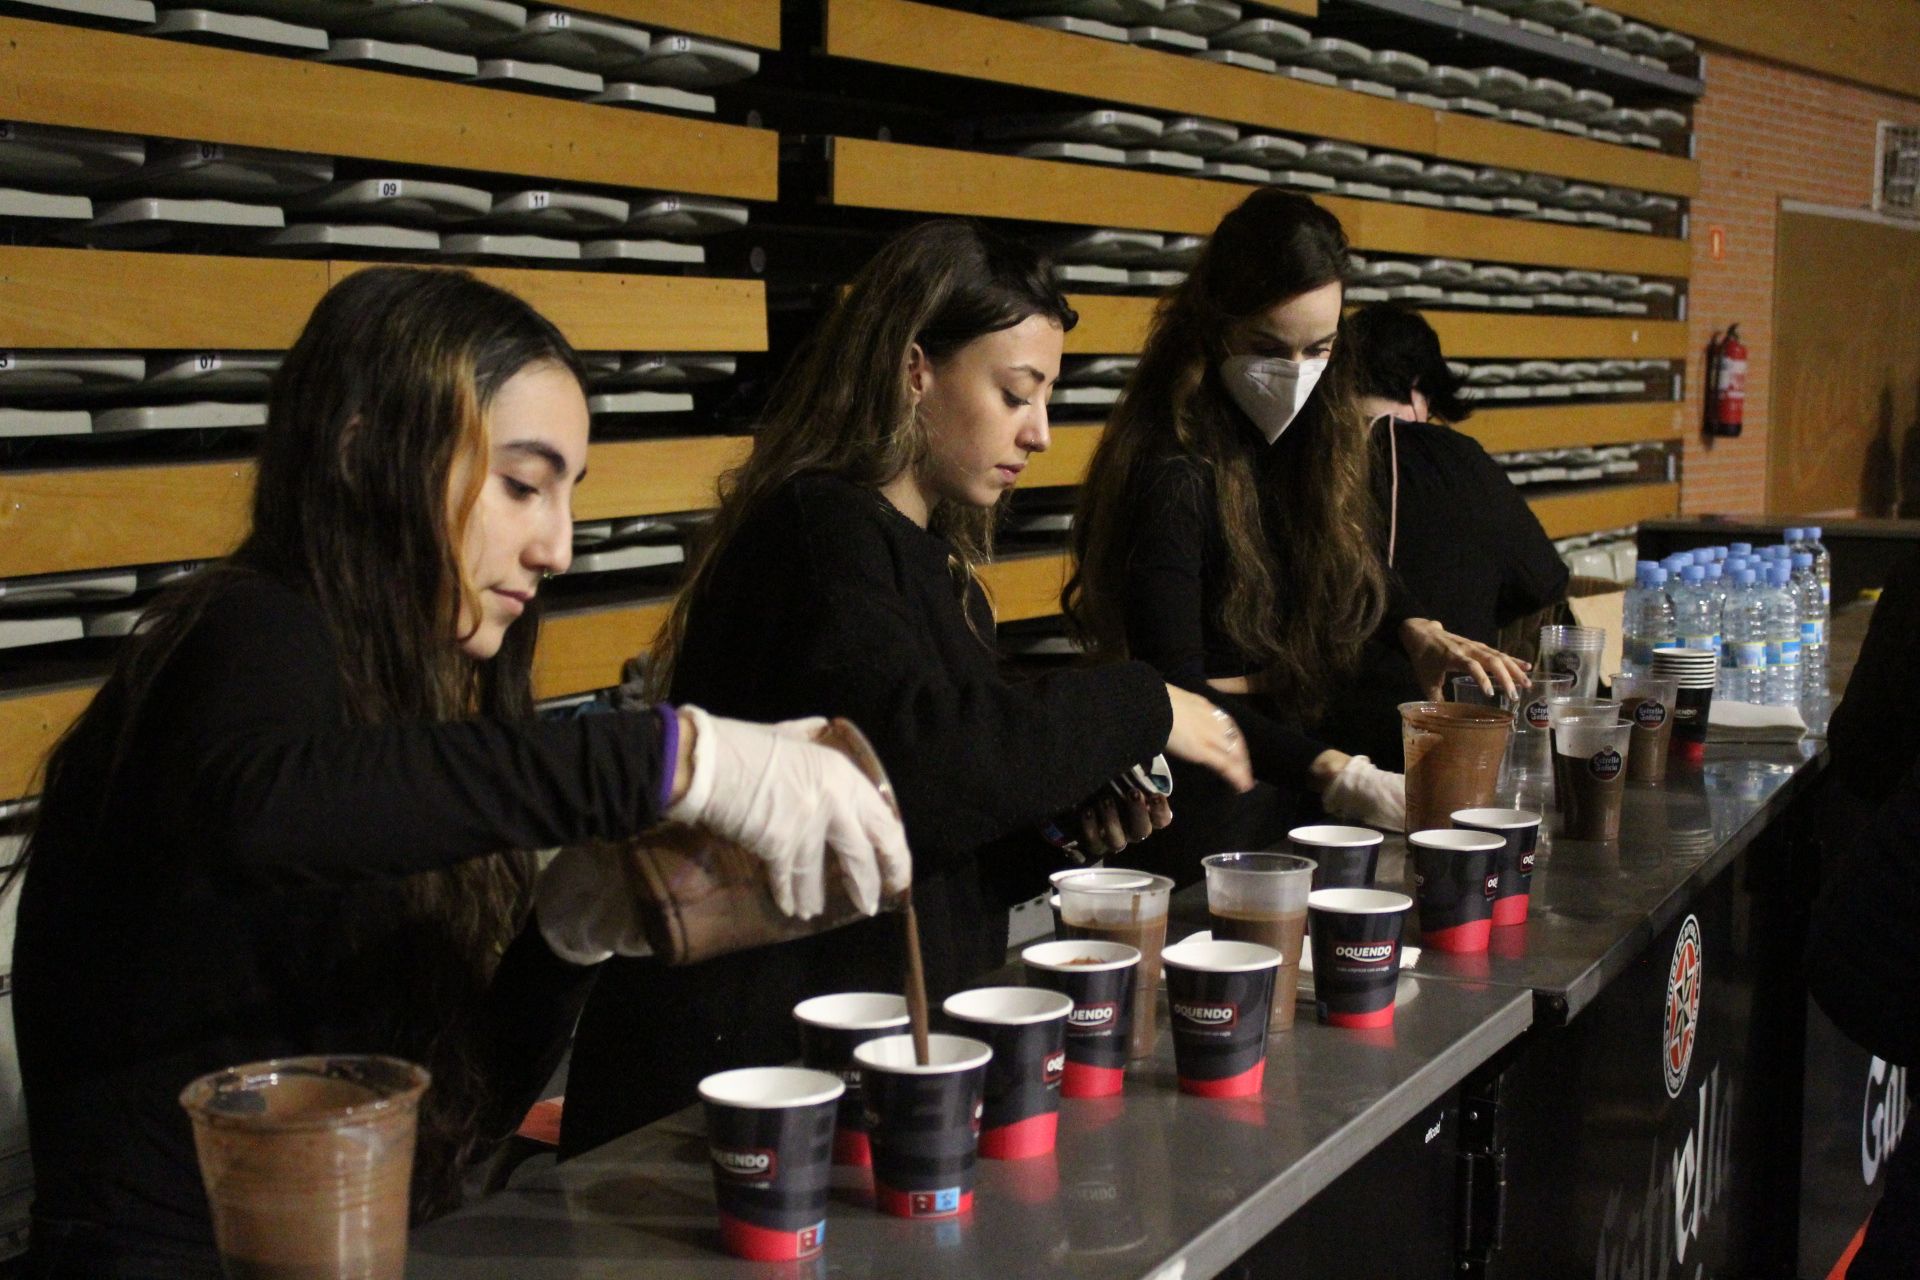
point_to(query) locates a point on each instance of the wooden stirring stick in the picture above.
(916, 986)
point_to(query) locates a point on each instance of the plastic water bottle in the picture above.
(1783, 638)
(1648, 619)
(1822, 566)
(1703, 555)
(1696, 611)
(1813, 621)
(1739, 548)
(1745, 626)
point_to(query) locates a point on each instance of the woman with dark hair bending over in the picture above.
(840, 580)
(289, 823)
(1225, 528)
(1453, 527)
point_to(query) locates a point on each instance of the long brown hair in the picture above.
(384, 393)
(1307, 616)
(843, 407)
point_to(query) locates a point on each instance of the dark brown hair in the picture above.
(1299, 619)
(843, 407)
(1396, 352)
(385, 391)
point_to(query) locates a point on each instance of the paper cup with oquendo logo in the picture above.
(831, 1028)
(1356, 954)
(1457, 874)
(770, 1138)
(1026, 1027)
(923, 1122)
(1519, 830)
(1218, 998)
(1098, 978)
(1344, 857)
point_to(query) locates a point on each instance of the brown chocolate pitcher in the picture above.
(699, 895)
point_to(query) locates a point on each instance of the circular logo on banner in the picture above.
(1605, 764)
(1684, 985)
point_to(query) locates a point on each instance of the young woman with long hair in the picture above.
(1453, 527)
(294, 820)
(840, 581)
(1224, 532)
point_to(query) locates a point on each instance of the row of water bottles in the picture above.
(1764, 610)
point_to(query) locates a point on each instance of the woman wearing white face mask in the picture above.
(1225, 531)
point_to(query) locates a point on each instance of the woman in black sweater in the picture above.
(287, 823)
(1224, 532)
(1452, 525)
(840, 581)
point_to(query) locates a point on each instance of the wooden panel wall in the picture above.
(1870, 42)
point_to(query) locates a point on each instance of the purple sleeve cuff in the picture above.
(669, 750)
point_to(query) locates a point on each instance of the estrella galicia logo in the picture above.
(1093, 1017)
(1214, 1017)
(1684, 987)
(1366, 952)
(757, 1165)
(1650, 714)
(1538, 715)
(1605, 764)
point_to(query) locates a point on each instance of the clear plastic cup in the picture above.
(1262, 898)
(1117, 905)
(307, 1162)
(1590, 760)
(1454, 754)
(1573, 651)
(1531, 755)
(1648, 704)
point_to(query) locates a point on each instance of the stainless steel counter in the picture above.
(1595, 906)
(1163, 1186)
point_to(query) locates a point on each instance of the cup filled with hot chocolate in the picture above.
(1098, 978)
(1026, 1027)
(1116, 905)
(1218, 994)
(1648, 704)
(1356, 954)
(1591, 758)
(924, 1122)
(1454, 755)
(306, 1163)
(1262, 898)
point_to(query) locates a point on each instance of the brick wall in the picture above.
(1763, 133)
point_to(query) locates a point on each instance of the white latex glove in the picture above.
(585, 906)
(1362, 793)
(789, 800)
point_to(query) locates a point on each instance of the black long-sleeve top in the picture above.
(215, 903)
(831, 602)
(1176, 583)
(1466, 545)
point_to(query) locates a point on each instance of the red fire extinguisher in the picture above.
(1726, 384)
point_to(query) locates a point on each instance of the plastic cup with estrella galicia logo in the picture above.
(1218, 997)
(1098, 978)
(1355, 936)
(770, 1140)
(1530, 756)
(924, 1122)
(1591, 760)
(1026, 1027)
(1519, 830)
(831, 1028)
(1458, 874)
(1648, 703)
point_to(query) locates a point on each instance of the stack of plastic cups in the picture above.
(1573, 651)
